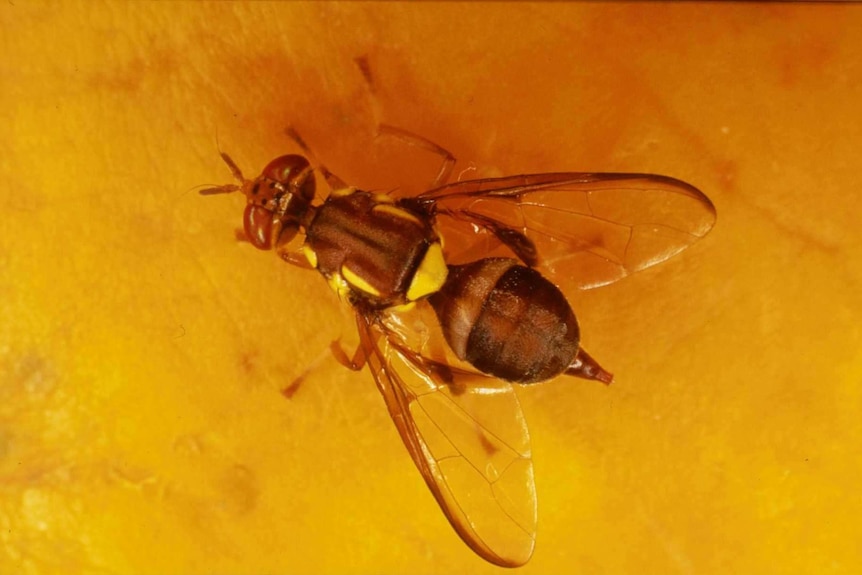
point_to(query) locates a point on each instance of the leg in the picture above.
(365, 70)
(290, 390)
(294, 258)
(405, 136)
(356, 363)
(297, 259)
(335, 183)
(418, 141)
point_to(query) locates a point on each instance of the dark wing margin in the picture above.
(470, 443)
(588, 229)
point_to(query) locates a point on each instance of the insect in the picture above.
(479, 265)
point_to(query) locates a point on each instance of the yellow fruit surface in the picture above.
(143, 349)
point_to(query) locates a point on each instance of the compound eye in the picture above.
(293, 172)
(257, 223)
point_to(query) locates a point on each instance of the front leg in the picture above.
(412, 139)
(334, 182)
(296, 258)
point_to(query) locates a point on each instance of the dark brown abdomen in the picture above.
(507, 320)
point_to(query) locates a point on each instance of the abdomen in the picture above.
(507, 320)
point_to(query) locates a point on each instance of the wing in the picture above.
(468, 438)
(586, 230)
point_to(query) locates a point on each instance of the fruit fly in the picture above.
(402, 264)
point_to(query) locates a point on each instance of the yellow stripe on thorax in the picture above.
(358, 282)
(398, 212)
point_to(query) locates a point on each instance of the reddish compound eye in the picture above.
(264, 230)
(294, 173)
(257, 223)
(278, 200)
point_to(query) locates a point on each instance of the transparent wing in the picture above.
(588, 229)
(468, 438)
